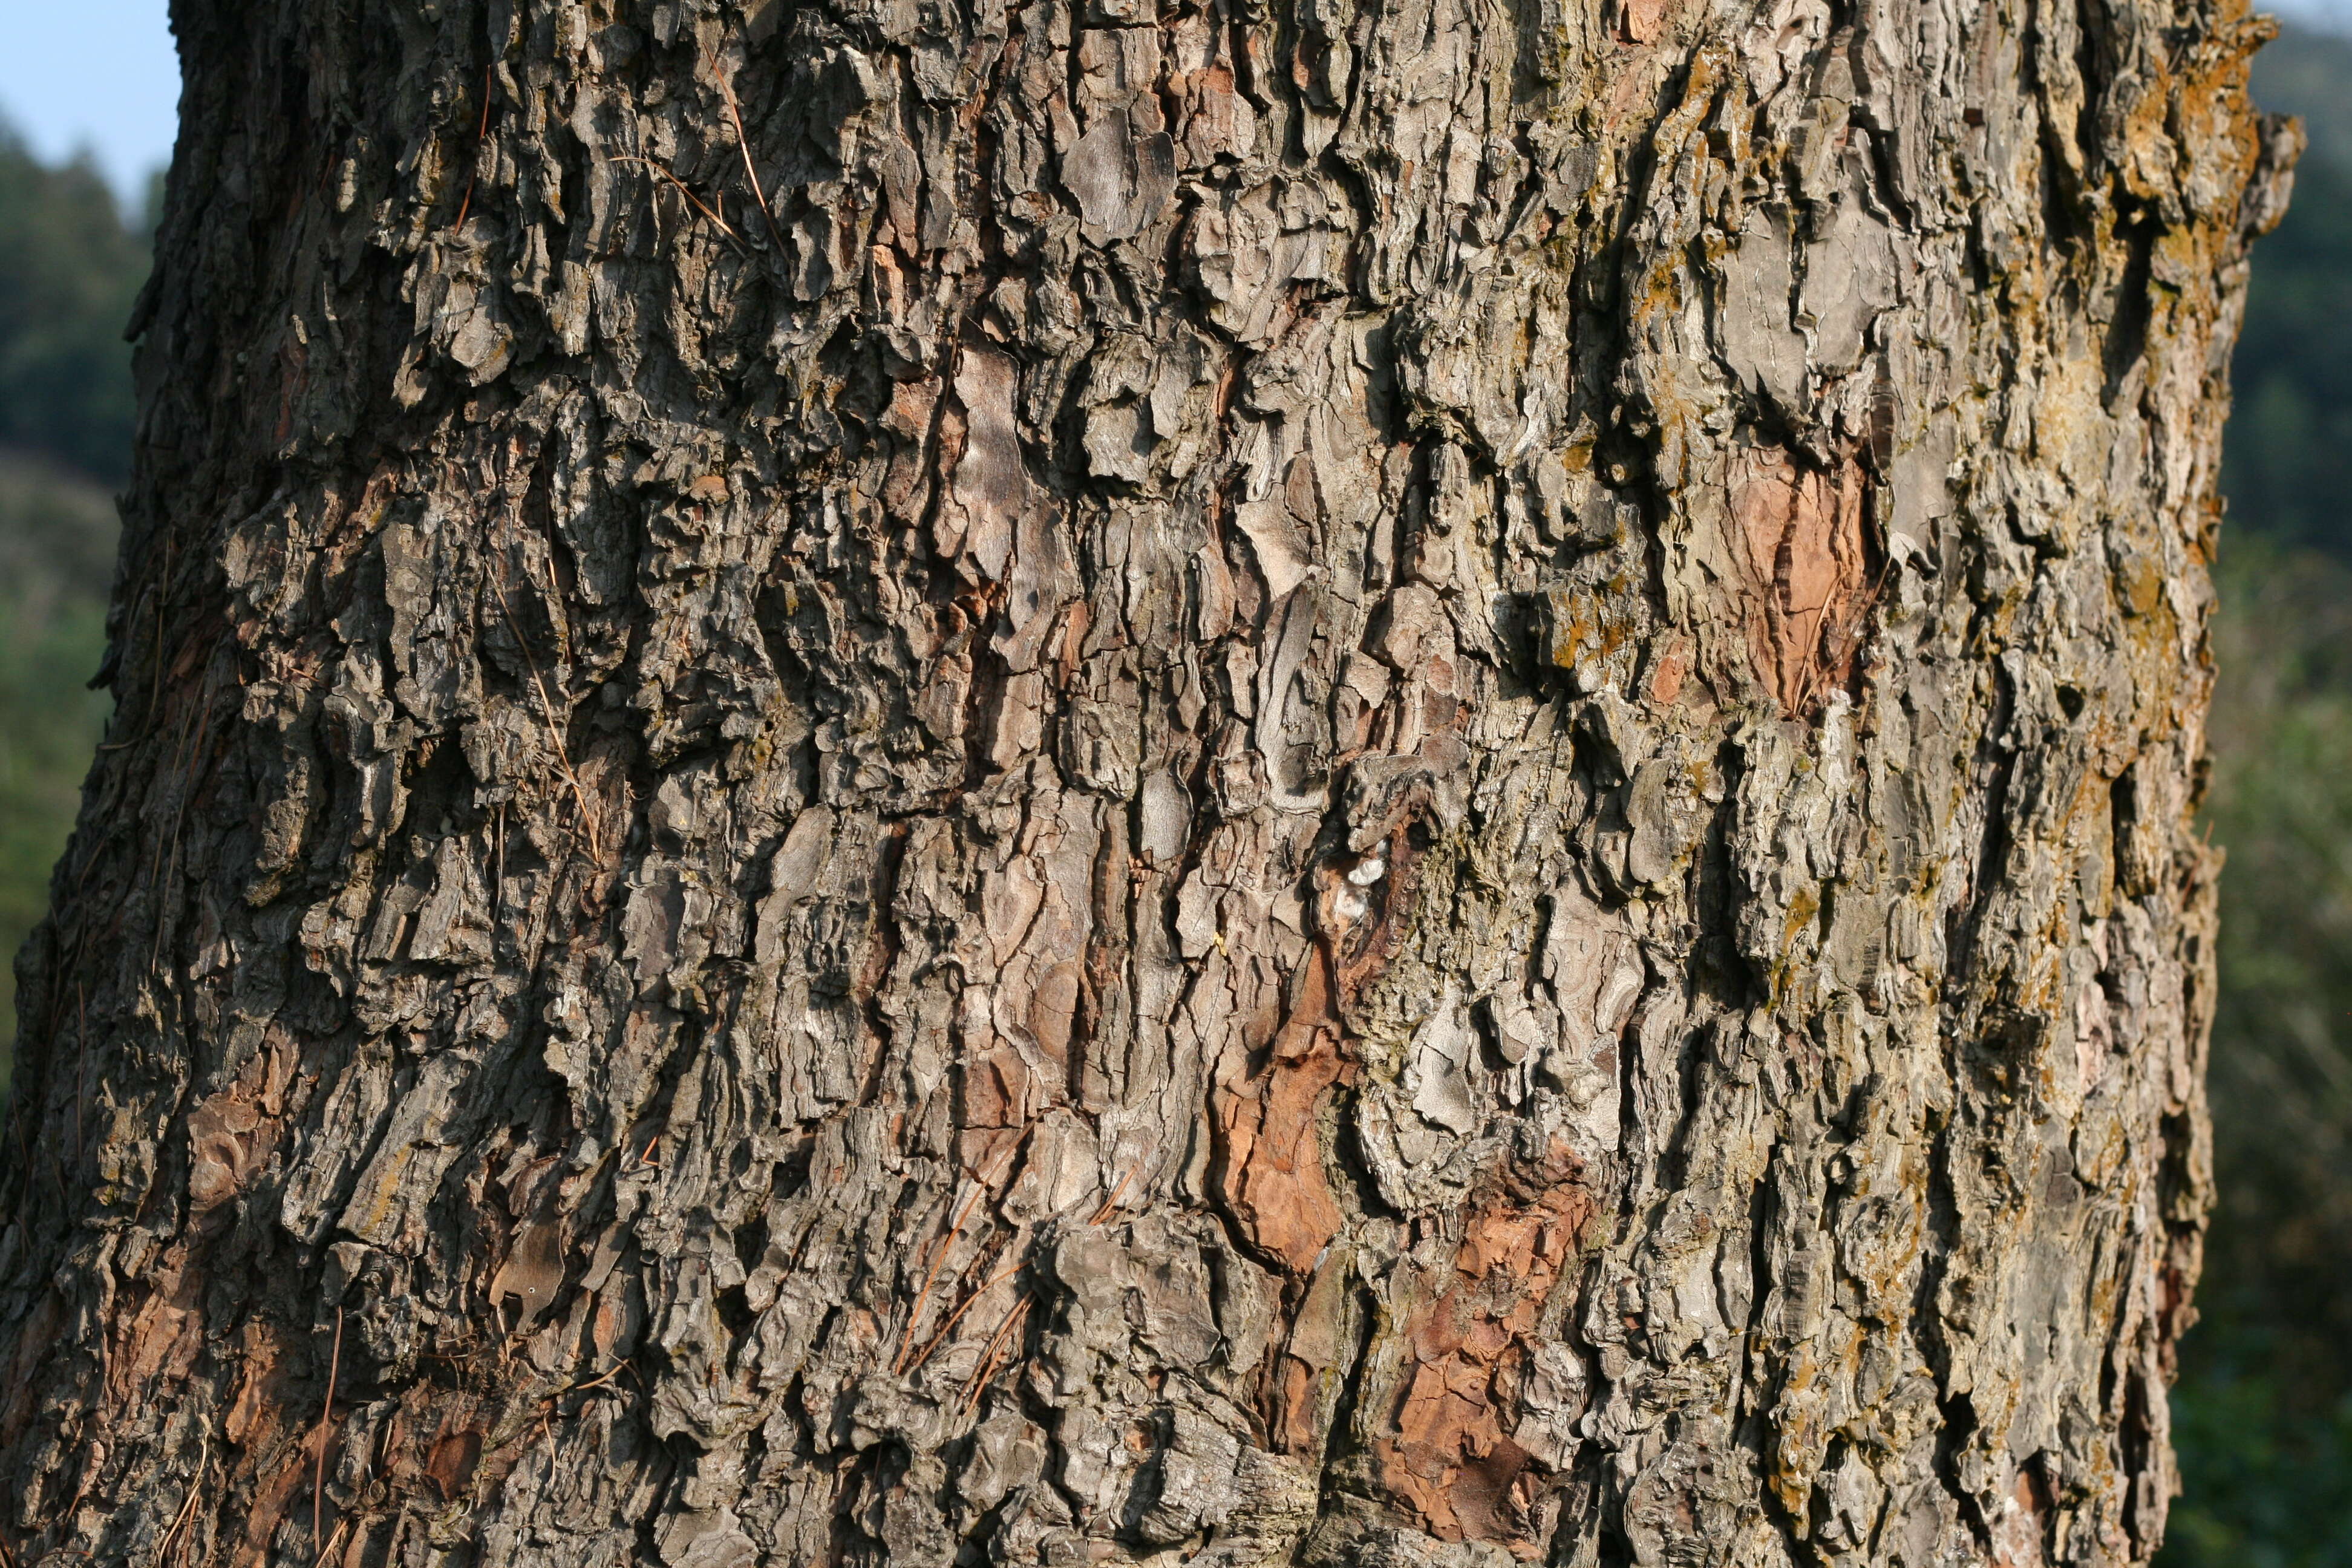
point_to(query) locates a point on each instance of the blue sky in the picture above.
(101, 75)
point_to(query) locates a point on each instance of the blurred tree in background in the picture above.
(71, 268)
(2288, 467)
(2263, 1413)
(72, 264)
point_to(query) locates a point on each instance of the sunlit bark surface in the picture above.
(1306, 782)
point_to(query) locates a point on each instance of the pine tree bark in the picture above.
(1240, 780)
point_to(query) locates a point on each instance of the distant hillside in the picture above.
(57, 555)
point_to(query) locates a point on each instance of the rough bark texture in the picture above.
(1325, 782)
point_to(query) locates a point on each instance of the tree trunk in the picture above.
(1336, 782)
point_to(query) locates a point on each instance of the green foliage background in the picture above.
(2262, 1415)
(57, 549)
(71, 264)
